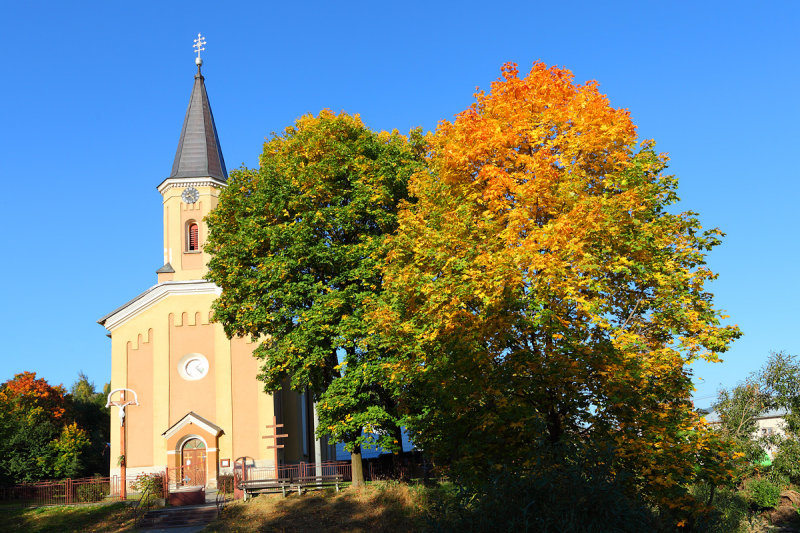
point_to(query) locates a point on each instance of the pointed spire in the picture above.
(199, 154)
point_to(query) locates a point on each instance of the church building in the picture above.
(199, 402)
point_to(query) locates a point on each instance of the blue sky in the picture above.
(93, 95)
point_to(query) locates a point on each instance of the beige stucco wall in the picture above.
(140, 375)
(147, 347)
(191, 333)
(146, 350)
(187, 265)
(768, 426)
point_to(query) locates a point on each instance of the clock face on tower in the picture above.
(193, 366)
(190, 195)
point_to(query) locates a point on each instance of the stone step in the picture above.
(178, 517)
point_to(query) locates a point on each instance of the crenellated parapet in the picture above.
(140, 340)
(190, 318)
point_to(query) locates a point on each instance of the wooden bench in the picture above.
(262, 486)
(306, 482)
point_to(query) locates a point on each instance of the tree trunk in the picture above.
(398, 434)
(357, 467)
(396, 463)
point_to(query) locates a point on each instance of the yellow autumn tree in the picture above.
(549, 299)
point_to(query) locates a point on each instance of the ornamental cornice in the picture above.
(171, 183)
(152, 296)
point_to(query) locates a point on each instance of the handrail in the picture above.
(138, 505)
(220, 501)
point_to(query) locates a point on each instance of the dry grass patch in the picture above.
(378, 507)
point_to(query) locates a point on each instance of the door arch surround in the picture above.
(191, 426)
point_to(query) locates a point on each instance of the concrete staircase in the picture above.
(174, 517)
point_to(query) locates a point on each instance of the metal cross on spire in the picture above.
(199, 45)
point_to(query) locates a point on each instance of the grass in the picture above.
(66, 518)
(378, 507)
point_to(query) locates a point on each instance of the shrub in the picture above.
(152, 484)
(225, 483)
(763, 493)
(731, 511)
(779, 479)
(559, 500)
(91, 492)
(787, 460)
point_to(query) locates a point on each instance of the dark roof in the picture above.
(166, 269)
(199, 154)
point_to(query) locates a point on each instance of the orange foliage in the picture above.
(28, 393)
(540, 274)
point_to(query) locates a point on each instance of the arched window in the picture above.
(192, 237)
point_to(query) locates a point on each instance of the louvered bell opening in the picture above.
(193, 244)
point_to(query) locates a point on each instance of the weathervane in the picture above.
(199, 45)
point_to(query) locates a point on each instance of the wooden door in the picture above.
(193, 461)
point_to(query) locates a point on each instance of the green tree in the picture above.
(68, 452)
(40, 441)
(775, 386)
(779, 381)
(88, 409)
(359, 407)
(738, 410)
(297, 245)
(46, 433)
(550, 298)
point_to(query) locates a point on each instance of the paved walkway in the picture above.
(179, 529)
(191, 517)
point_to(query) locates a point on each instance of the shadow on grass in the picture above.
(85, 518)
(381, 509)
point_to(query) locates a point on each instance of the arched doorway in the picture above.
(193, 462)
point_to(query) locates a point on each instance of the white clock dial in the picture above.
(190, 195)
(196, 368)
(193, 366)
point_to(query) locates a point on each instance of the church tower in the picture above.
(192, 189)
(200, 404)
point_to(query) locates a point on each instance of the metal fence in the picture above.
(63, 492)
(287, 472)
(98, 489)
(294, 471)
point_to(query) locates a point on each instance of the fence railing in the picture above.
(288, 472)
(97, 489)
(294, 471)
(63, 492)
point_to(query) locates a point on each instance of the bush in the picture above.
(559, 500)
(152, 484)
(763, 493)
(731, 510)
(91, 492)
(787, 460)
(225, 483)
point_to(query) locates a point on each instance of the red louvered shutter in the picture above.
(193, 237)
